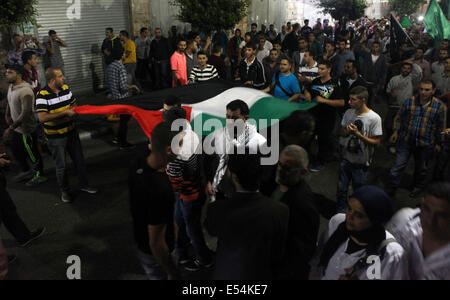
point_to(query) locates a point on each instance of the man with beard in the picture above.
(420, 60)
(191, 56)
(417, 130)
(238, 132)
(304, 219)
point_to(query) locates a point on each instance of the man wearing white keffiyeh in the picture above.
(238, 134)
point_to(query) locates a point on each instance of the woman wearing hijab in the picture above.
(358, 242)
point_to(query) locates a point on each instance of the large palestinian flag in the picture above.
(202, 103)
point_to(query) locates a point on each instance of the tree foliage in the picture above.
(340, 9)
(210, 15)
(406, 7)
(17, 12)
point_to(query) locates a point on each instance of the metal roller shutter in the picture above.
(84, 31)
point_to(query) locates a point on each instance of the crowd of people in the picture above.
(265, 218)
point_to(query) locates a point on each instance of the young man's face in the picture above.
(307, 58)
(277, 47)
(406, 70)
(254, 28)
(158, 33)
(202, 60)
(426, 90)
(249, 52)
(329, 48)
(355, 102)
(348, 68)
(443, 54)
(324, 71)
(302, 44)
(33, 61)
(144, 34)
(285, 67)
(376, 48)
(11, 76)
(122, 37)
(435, 218)
(181, 46)
(274, 55)
(53, 36)
(312, 37)
(248, 38)
(419, 54)
(198, 39)
(342, 46)
(262, 43)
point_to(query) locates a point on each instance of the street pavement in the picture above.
(98, 228)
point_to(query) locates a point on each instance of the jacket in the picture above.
(374, 73)
(255, 72)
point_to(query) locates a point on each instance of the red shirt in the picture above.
(178, 64)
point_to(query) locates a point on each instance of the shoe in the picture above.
(66, 198)
(34, 236)
(316, 167)
(115, 141)
(89, 190)
(24, 176)
(127, 146)
(12, 258)
(416, 193)
(36, 181)
(195, 265)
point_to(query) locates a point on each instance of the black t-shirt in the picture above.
(328, 90)
(151, 201)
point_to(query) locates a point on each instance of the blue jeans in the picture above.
(349, 172)
(151, 267)
(423, 158)
(72, 145)
(188, 217)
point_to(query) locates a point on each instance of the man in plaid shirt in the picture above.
(116, 77)
(417, 129)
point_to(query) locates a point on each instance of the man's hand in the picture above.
(209, 190)
(70, 113)
(394, 138)
(4, 162)
(135, 88)
(352, 129)
(320, 99)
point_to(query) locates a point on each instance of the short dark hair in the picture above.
(50, 32)
(440, 190)
(247, 168)
(251, 45)
(298, 122)
(273, 49)
(172, 100)
(254, 24)
(288, 60)
(376, 42)
(189, 42)
(301, 39)
(326, 63)
(117, 53)
(143, 29)
(26, 56)
(202, 53)
(306, 20)
(330, 42)
(248, 34)
(360, 92)
(217, 48)
(162, 137)
(353, 62)
(239, 104)
(125, 33)
(428, 81)
(406, 63)
(109, 29)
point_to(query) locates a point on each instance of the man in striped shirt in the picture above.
(53, 105)
(417, 129)
(203, 72)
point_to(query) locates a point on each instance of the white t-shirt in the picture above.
(371, 126)
(341, 260)
(375, 58)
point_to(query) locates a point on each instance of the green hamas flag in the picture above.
(436, 23)
(406, 22)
